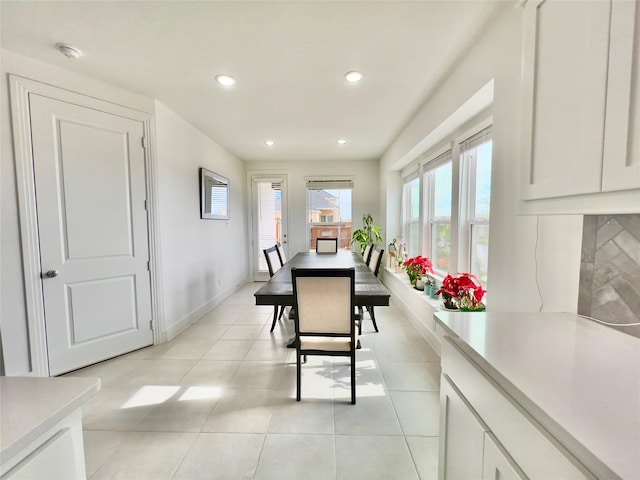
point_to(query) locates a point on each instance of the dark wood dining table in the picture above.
(279, 289)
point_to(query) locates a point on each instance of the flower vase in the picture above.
(449, 302)
(419, 284)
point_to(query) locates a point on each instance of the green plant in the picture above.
(369, 233)
(417, 267)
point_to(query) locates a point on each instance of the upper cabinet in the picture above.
(581, 91)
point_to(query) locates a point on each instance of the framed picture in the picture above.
(214, 196)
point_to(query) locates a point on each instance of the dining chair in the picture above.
(366, 255)
(324, 300)
(326, 245)
(274, 264)
(374, 265)
(281, 254)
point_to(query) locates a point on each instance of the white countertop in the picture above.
(29, 406)
(579, 379)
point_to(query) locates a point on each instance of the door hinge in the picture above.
(148, 266)
(144, 142)
(150, 324)
(146, 206)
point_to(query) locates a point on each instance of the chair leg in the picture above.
(359, 320)
(373, 317)
(298, 375)
(281, 312)
(275, 317)
(353, 379)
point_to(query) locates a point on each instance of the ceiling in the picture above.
(289, 59)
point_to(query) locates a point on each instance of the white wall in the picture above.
(364, 199)
(203, 261)
(512, 285)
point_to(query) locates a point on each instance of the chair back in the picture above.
(324, 301)
(283, 258)
(326, 245)
(366, 255)
(375, 260)
(273, 260)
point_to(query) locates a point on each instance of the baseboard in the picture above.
(186, 321)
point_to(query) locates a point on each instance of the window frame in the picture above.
(463, 194)
(430, 220)
(407, 205)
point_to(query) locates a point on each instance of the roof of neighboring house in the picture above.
(319, 200)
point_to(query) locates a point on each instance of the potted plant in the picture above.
(417, 267)
(368, 234)
(462, 291)
(430, 286)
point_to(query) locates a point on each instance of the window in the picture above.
(453, 227)
(438, 193)
(330, 215)
(476, 156)
(411, 216)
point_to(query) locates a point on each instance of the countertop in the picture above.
(31, 405)
(579, 379)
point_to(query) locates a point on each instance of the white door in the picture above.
(89, 170)
(269, 196)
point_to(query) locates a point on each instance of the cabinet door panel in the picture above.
(621, 167)
(498, 465)
(461, 436)
(566, 47)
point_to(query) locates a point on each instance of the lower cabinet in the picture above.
(462, 435)
(496, 462)
(58, 454)
(468, 449)
(485, 434)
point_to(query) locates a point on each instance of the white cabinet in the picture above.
(581, 107)
(497, 464)
(485, 434)
(461, 436)
(468, 449)
(41, 427)
(621, 166)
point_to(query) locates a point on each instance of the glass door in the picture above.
(269, 220)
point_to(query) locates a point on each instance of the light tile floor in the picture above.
(218, 402)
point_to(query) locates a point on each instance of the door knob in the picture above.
(52, 273)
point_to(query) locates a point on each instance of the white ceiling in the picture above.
(289, 59)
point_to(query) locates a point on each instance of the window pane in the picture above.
(480, 251)
(411, 215)
(441, 247)
(413, 240)
(442, 191)
(415, 200)
(483, 180)
(330, 216)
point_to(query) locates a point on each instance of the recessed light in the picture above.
(353, 76)
(342, 141)
(225, 80)
(68, 51)
(269, 143)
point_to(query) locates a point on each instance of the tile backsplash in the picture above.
(610, 270)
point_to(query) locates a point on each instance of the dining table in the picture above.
(369, 291)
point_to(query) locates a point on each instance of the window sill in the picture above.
(402, 277)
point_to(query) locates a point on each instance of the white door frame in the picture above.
(257, 175)
(20, 88)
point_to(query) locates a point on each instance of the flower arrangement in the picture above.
(417, 267)
(463, 290)
(402, 250)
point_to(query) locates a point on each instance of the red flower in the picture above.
(465, 288)
(417, 267)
